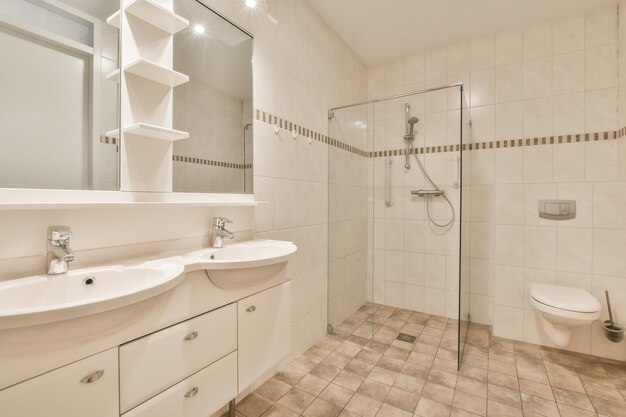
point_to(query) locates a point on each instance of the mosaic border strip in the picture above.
(271, 119)
(509, 143)
(106, 140)
(201, 161)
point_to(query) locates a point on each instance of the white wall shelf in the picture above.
(40, 199)
(155, 14)
(151, 71)
(155, 132)
(114, 20)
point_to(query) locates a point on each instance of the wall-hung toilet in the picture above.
(561, 309)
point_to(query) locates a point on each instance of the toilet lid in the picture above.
(565, 298)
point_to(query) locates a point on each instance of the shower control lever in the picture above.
(424, 193)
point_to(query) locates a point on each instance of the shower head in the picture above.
(412, 122)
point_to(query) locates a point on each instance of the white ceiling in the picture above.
(382, 30)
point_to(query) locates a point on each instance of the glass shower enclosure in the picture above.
(398, 230)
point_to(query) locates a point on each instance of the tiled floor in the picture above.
(347, 374)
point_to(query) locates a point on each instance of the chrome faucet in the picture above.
(59, 252)
(220, 232)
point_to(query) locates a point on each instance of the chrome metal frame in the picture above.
(376, 100)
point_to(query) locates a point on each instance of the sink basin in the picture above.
(242, 264)
(44, 299)
(250, 254)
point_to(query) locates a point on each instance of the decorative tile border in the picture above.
(509, 143)
(271, 119)
(106, 140)
(200, 161)
(265, 117)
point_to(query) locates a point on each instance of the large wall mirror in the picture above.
(56, 103)
(215, 106)
(59, 112)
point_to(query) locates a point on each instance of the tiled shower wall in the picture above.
(549, 79)
(416, 264)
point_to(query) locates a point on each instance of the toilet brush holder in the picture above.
(613, 331)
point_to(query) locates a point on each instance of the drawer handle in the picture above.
(191, 393)
(251, 309)
(92, 377)
(191, 336)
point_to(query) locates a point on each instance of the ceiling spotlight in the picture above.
(250, 3)
(199, 29)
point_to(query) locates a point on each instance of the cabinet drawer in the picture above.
(153, 363)
(84, 388)
(264, 332)
(200, 395)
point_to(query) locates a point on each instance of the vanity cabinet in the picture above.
(88, 387)
(157, 361)
(200, 395)
(191, 368)
(264, 332)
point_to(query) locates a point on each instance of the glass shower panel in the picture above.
(464, 268)
(349, 237)
(395, 218)
(416, 210)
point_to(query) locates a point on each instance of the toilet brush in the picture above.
(614, 332)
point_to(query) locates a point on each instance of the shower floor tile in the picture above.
(362, 370)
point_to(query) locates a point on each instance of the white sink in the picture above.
(249, 254)
(241, 264)
(44, 299)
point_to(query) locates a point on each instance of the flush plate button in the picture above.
(557, 209)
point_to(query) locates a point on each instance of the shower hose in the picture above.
(428, 197)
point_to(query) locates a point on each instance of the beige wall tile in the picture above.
(568, 72)
(509, 82)
(509, 47)
(537, 41)
(537, 78)
(600, 28)
(567, 34)
(601, 67)
(509, 165)
(483, 52)
(540, 247)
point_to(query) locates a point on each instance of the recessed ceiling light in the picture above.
(250, 3)
(199, 29)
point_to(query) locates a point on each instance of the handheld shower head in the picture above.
(412, 122)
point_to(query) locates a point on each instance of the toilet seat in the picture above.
(559, 314)
(562, 309)
(565, 299)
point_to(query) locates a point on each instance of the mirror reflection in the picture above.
(215, 106)
(56, 103)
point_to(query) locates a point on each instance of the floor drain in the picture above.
(403, 337)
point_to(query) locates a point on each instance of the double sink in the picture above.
(46, 299)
